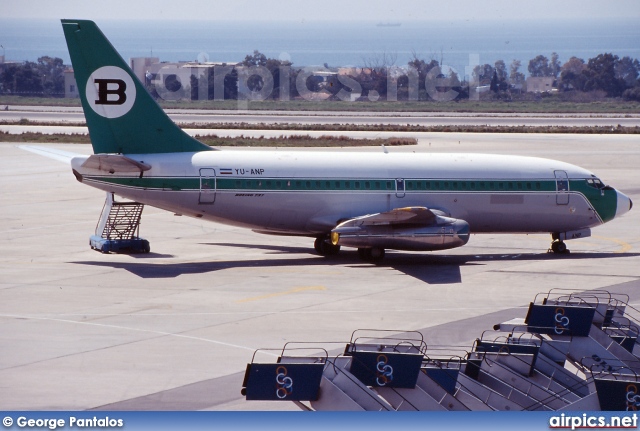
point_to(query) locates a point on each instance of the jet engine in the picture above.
(417, 229)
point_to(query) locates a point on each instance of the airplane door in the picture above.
(207, 186)
(562, 188)
(399, 187)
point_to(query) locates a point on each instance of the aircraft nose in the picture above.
(624, 204)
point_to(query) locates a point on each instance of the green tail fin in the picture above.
(121, 115)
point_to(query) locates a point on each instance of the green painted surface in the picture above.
(145, 128)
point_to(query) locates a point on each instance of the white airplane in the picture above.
(369, 201)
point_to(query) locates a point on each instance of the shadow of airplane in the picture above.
(428, 268)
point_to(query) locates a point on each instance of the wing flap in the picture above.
(406, 215)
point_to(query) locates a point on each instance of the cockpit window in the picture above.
(595, 183)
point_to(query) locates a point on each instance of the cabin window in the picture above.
(308, 184)
(367, 185)
(357, 184)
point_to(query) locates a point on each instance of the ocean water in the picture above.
(338, 43)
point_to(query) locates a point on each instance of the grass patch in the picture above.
(550, 104)
(215, 141)
(336, 127)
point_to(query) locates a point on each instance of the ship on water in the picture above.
(389, 24)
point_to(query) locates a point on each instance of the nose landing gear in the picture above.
(558, 246)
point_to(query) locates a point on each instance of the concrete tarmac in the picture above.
(55, 115)
(174, 329)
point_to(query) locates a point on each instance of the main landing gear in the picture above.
(373, 254)
(324, 247)
(558, 246)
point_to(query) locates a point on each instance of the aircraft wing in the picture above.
(409, 228)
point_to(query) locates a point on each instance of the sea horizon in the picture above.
(337, 43)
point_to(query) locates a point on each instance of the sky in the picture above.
(323, 10)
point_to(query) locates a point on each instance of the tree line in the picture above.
(605, 75)
(42, 78)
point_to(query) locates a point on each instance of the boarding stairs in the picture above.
(118, 228)
(573, 352)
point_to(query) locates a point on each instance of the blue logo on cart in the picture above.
(384, 371)
(284, 384)
(633, 399)
(562, 321)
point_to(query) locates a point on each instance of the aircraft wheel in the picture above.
(373, 255)
(377, 254)
(559, 247)
(325, 248)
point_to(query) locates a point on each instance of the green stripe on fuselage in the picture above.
(602, 200)
(315, 184)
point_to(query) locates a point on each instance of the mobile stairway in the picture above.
(574, 351)
(118, 229)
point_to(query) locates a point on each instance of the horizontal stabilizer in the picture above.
(52, 153)
(113, 163)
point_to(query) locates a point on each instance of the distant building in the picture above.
(540, 84)
(140, 66)
(70, 86)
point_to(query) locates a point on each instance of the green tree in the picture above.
(554, 65)
(601, 75)
(27, 79)
(423, 68)
(501, 75)
(515, 76)
(627, 69)
(571, 74)
(52, 72)
(539, 66)
(483, 74)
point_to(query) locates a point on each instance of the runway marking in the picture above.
(148, 331)
(625, 245)
(288, 292)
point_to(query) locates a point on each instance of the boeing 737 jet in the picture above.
(369, 201)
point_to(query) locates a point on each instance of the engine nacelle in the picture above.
(444, 234)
